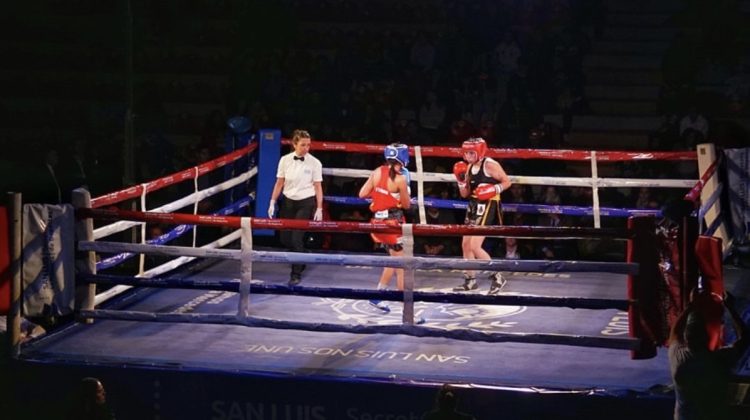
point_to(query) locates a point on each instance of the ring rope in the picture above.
(426, 263)
(400, 329)
(512, 207)
(172, 234)
(120, 226)
(503, 153)
(167, 266)
(257, 287)
(565, 232)
(327, 226)
(165, 181)
(532, 180)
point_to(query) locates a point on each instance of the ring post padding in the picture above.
(85, 260)
(706, 158)
(646, 319)
(269, 153)
(408, 238)
(420, 184)
(246, 266)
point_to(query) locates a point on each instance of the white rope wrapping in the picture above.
(595, 188)
(420, 184)
(142, 258)
(408, 241)
(246, 267)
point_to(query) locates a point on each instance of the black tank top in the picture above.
(480, 177)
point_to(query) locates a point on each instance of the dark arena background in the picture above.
(144, 273)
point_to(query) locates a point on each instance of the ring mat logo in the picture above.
(446, 316)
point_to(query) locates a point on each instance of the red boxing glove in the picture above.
(487, 191)
(459, 171)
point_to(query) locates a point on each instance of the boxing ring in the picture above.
(212, 330)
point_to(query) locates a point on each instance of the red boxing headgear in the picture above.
(476, 145)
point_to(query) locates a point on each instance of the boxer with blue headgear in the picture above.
(398, 152)
(388, 188)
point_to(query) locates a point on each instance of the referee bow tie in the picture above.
(302, 158)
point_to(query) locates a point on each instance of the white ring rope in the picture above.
(533, 180)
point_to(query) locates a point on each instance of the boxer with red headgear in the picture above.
(474, 149)
(481, 179)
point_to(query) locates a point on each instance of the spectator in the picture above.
(461, 130)
(73, 170)
(700, 375)
(431, 116)
(422, 55)
(665, 137)
(551, 197)
(89, 402)
(45, 186)
(694, 126)
(436, 245)
(646, 200)
(446, 404)
(517, 195)
(506, 56)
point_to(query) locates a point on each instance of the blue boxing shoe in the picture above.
(380, 305)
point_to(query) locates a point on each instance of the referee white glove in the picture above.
(318, 215)
(271, 208)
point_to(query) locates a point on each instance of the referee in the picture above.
(300, 177)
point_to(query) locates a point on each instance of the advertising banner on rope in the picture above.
(48, 259)
(738, 181)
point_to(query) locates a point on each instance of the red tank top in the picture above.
(382, 199)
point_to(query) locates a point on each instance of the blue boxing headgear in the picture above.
(397, 151)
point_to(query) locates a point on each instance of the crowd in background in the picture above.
(420, 72)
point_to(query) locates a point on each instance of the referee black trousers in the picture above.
(294, 240)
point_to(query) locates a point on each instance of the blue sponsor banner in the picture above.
(141, 392)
